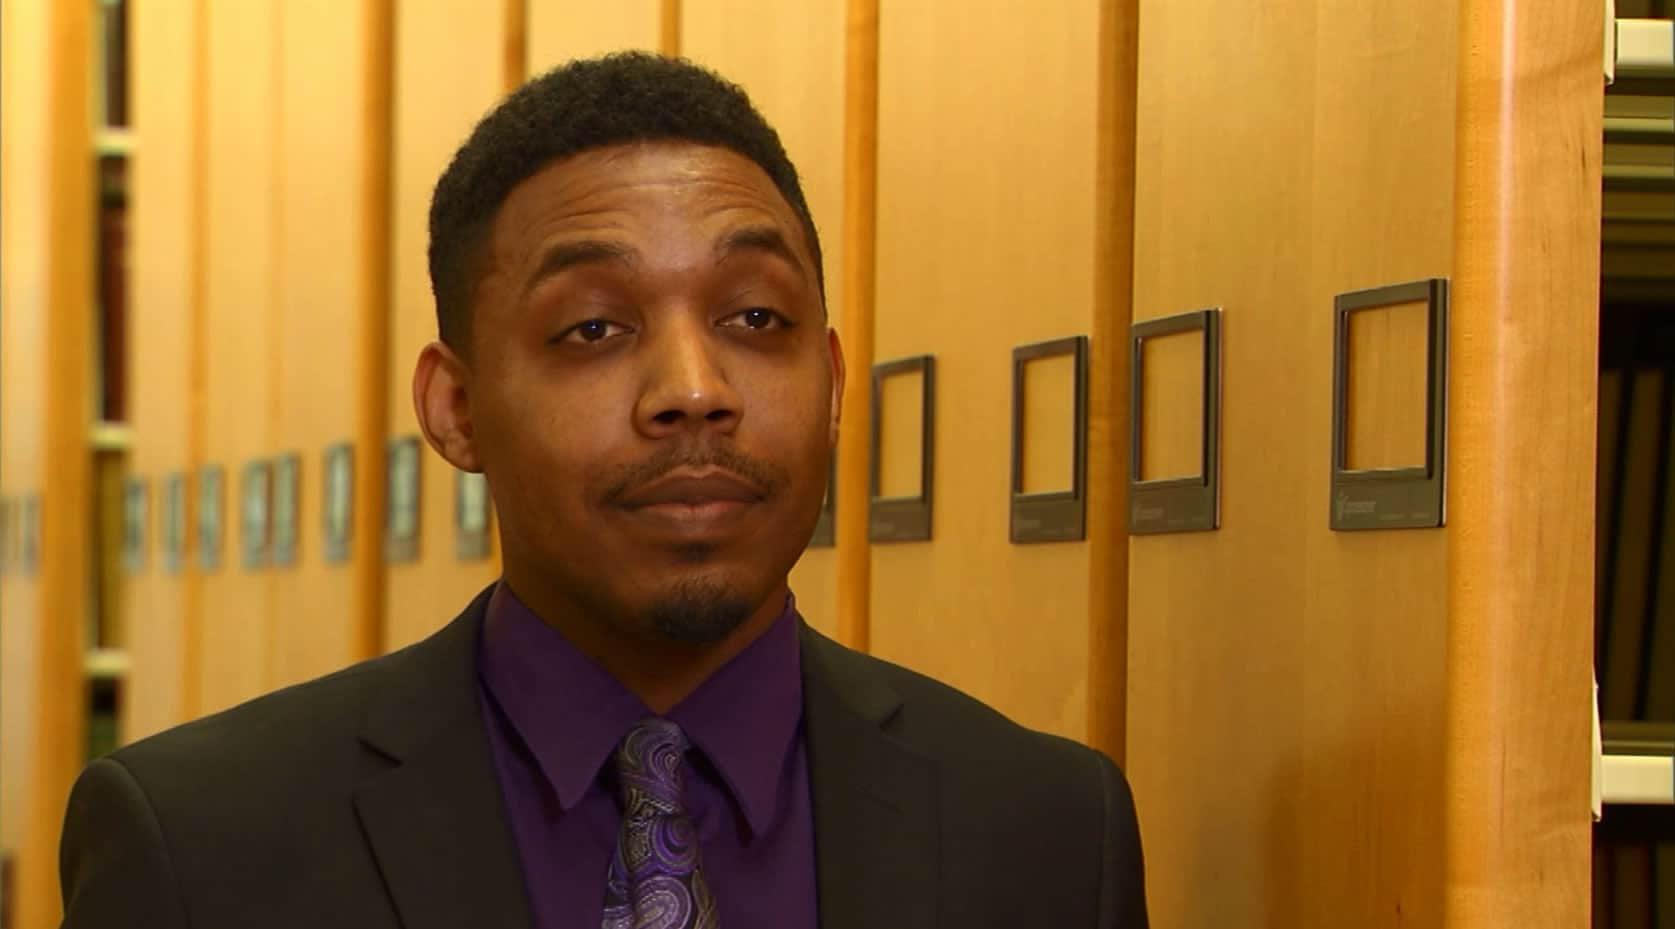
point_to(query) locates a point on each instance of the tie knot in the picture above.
(651, 769)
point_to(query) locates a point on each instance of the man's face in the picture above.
(651, 388)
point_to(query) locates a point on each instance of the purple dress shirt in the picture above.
(554, 717)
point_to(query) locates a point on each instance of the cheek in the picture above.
(547, 435)
(795, 417)
(786, 407)
(800, 389)
(544, 466)
(817, 401)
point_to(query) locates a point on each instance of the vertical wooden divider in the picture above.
(449, 69)
(277, 394)
(668, 39)
(60, 693)
(372, 415)
(197, 400)
(162, 266)
(515, 63)
(514, 71)
(1108, 375)
(860, 202)
(1522, 409)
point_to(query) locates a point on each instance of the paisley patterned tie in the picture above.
(656, 879)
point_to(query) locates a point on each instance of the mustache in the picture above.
(766, 478)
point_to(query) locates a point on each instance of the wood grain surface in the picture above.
(1523, 402)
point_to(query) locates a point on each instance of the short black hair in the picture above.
(618, 99)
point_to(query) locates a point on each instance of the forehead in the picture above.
(639, 188)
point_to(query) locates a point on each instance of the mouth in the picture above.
(694, 502)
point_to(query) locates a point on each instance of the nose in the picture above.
(685, 387)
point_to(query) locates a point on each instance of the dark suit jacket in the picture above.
(368, 799)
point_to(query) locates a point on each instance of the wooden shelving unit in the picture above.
(110, 437)
(1634, 841)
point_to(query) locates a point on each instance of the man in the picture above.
(633, 728)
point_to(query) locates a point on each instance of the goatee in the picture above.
(698, 612)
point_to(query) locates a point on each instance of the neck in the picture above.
(659, 671)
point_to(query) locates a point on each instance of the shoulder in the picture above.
(263, 755)
(164, 821)
(257, 804)
(967, 739)
(309, 711)
(944, 719)
(320, 719)
(1011, 800)
(305, 739)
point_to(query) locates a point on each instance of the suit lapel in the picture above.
(435, 819)
(437, 825)
(875, 802)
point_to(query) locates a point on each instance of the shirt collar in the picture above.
(571, 713)
(745, 717)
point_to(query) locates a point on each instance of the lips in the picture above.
(696, 489)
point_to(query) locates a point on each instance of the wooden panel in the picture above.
(23, 58)
(1374, 603)
(560, 30)
(448, 73)
(46, 289)
(23, 271)
(789, 58)
(1109, 375)
(375, 291)
(1386, 389)
(1310, 662)
(860, 247)
(977, 255)
(1524, 352)
(324, 79)
(241, 329)
(1214, 650)
(162, 266)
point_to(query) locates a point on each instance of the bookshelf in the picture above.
(1634, 649)
(110, 437)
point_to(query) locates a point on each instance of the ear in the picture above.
(442, 400)
(838, 374)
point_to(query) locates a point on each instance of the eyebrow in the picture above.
(567, 255)
(762, 239)
(766, 240)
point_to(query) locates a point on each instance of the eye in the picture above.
(757, 318)
(591, 331)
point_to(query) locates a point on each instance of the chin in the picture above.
(699, 610)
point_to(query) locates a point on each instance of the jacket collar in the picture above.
(436, 820)
(875, 801)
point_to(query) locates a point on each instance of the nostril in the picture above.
(716, 416)
(668, 417)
